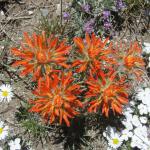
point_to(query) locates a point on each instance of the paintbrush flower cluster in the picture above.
(103, 75)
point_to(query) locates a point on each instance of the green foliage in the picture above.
(30, 122)
(50, 26)
(34, 128)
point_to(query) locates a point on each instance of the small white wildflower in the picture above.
(143, 120)
(132, 103)
(127, 124)
(15, 144)
(141, 131)
(135, 121)
(3, 130)
(114, 138)
(5, 93)
(142, 109)
(144, 95)
(146, 48)
(140, 138)
(135, 142)
(141, 142)
(128, 116)
(126, 134)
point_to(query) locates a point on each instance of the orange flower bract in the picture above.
(57, 98)
(130, 59)
(92, 53)
(133, 61)
(106, 93)
(40, 55)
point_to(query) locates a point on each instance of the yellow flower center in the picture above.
(1, 130)
(5, 93)
(115, 141)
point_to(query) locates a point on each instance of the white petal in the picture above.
(143, 120)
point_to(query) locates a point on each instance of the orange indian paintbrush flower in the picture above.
(133, 61)
(39, 55)
(92, 53)
(57, 98)
(130, 60)
(107, 93)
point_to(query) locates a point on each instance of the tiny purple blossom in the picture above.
(66, 16)
(89, 26)
(120, 4)
(107, 25)
(106, 14)
(86, 8)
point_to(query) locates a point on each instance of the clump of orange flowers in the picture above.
(130, 58)
(40, 55)
(109, 92)
(92, 53)
(57, 98)
(106, 70)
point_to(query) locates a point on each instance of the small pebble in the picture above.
(2, 13)
(30, 12)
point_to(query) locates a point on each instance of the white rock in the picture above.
(58, 9)
(30, 12)
(2, 13)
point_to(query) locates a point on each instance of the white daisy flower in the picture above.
(5, 93)
(15, 144)
(114, 138)
(3, 130)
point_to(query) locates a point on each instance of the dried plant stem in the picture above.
(61, 11)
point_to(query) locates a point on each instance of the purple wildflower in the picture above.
(107, 25)
(86, 8)
(120, 4)
(106, 19)
(66, 16)
(89, 26)
(106, 14)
